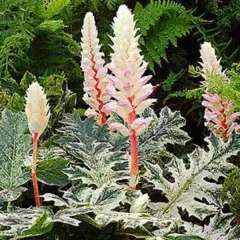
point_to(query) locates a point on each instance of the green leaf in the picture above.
(53, 84)
(43, 224)
(15, 146)
(50, 172)
(231, 191)
(51, 26)
(54, 7)
(16, 103)
(27, 79)
(161, 23)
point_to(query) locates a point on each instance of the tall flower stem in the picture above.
(134, 151)
(34, 170)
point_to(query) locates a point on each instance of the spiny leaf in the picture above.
(165, 129)
(221, 227)
(96, 157)
(136, 224)
(21, 223)
(85, 200)
(15, 146)
(190, 186)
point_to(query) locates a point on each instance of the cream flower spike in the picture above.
(37, 109)
(210, 63)
(127, 85)
(92, 65)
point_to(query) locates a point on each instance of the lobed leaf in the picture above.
(194, 188)
(97, 157)
(22, 223)
(15, 146)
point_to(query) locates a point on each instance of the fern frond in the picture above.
(161, 23)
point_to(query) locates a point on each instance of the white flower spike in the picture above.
(92, 65)
(37, 109)
(210, 64)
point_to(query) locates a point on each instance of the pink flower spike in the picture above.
(220, 116)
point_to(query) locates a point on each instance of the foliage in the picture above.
(22, 223)
(84, 168)
(15, 146)
(26, 24)
(99, 160)
(161, 23)
(52, 162)
(96, 156)
(60, 100)
(230, 191)
(219, 32)
(192, 187)
(165, 129)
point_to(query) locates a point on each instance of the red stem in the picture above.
(223, 123)
(99, 92)
(134, 151)
(34, 170)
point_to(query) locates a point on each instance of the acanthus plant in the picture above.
(98, 168)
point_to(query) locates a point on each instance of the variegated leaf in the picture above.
(136, 224)
(190, 188)
(82, 200)
(221, 227)
(22, 223)
(98, 157)
(15, 146)
(163, 130)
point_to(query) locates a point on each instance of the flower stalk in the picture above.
(127, 86)
(34, 170)
(37, 112)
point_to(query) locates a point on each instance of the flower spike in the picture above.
(219, 115)
(210, 63)
(92, 65)
(37, 111)
(219, 112)
(127, 85)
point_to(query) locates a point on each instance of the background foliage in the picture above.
(39, 40)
